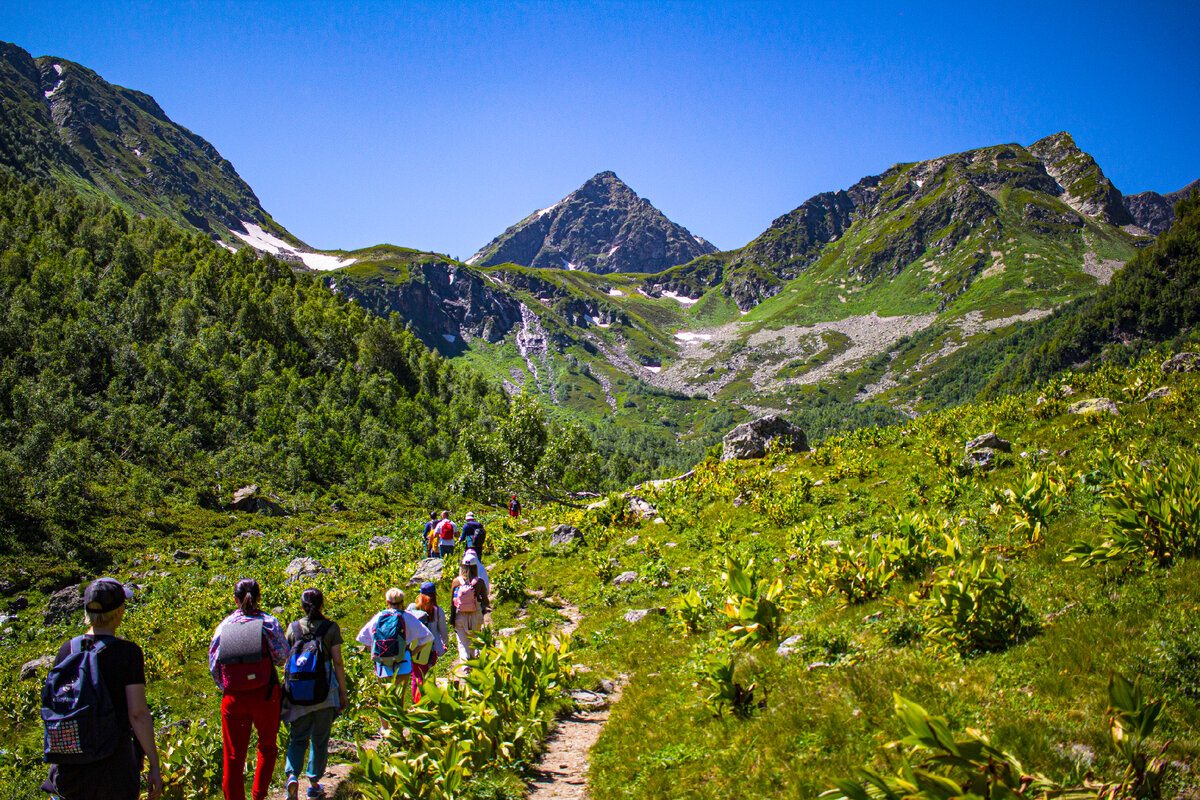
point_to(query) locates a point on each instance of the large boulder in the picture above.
(304, 567)
(1097, 405)
(249, 500)
(1182, 362)
(642, 508)
(64, 604)
(429, 569)
(753, 439)
(565, 534)
(989, 441)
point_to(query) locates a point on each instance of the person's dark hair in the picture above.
(433, 515)
(313, 603)
(247, 593)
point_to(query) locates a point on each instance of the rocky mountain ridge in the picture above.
(1155, 212)
(603, 227)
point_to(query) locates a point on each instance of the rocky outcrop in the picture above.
(1155, 212)
(62, 118)
(753, 439)
(1084, 186)
(601, 227)
(443, 302)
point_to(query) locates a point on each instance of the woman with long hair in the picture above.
(469, 594)
(245, 650)
(427, 610)
(309, 708)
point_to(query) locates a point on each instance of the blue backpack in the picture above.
(77, 713)
(389, 640)
(306, 676)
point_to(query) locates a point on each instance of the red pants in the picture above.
(418, 676)
(239, 712)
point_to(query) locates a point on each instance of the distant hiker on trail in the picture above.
(429, 538)
(470, 603)
(445, 530)
(514, 507)
(427, 610)
(473, 534)
(245, 650)
(314, 692)
(483, 573)
(97, 735)
(394, 638)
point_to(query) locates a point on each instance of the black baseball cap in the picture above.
(105, 594)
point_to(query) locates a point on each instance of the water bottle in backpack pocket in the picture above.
(389, 640)
(244, 656)
(307, 674)
(78, 717)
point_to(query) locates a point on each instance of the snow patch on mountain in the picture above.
(683, 300)
(54, 89)
(688, 336)
(266, 242)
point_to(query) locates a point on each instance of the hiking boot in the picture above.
(316, 791)
(293, 788)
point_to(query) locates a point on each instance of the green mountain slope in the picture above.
(62, 119)
(148, 373)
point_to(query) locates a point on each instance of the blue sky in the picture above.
(436, 125)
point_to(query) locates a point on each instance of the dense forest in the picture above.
(142, 366)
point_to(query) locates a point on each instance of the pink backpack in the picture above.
(464, 598)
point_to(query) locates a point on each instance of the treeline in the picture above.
(141, 364)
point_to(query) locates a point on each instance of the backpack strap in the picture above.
(322, 629)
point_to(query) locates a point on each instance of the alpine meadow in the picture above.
(899, 498)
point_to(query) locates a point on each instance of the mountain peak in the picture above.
(603, 226)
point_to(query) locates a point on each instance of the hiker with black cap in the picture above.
(314, 692)
(473, 534)
(98, 728)
(427, 610)
(245, 650)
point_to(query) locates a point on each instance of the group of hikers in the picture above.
(97, 722)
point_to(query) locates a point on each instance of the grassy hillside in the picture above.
(881, 560)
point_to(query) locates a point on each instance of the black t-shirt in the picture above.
(121, 664)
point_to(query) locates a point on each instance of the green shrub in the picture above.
(973, 608)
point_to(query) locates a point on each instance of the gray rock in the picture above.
(598, 504)
(1097, 405)
(633, 540)
(343, 749)
(753, 439)
(181, 555)
(637, 615)
(248, 499)
(251, 533)
(429, 569)
(607, 686)
(625, 578)
(591, 701)
(1182, 362)
(32, 669)
(1157, 394)
(505, 633)
(18, 603)
(304, 567)
(789, 646)
(565, 534)
(64, 604)
(989, 441)
(983, 458)
(643, 509)
(380, 541)
(7, 619)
